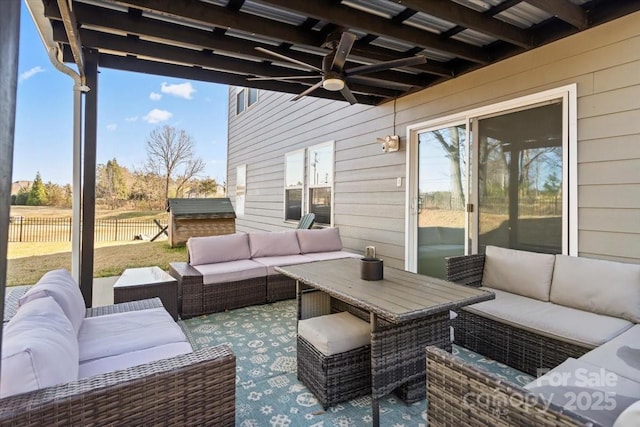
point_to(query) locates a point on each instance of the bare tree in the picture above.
(170, 155)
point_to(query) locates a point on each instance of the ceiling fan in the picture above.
(332, 74)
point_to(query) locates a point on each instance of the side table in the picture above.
(147, 282)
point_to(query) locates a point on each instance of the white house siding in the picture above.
(369, 208)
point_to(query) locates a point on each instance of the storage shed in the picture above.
(199, 217)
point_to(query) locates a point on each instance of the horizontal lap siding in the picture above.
(369, 208)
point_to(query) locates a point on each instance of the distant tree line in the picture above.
(171, 170)
(40, 194)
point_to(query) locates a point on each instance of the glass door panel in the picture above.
(441, 197)
(520, 179)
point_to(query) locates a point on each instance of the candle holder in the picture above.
(371, 269)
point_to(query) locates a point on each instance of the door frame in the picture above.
(568, 94)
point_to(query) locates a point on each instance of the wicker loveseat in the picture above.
(58, 369)
(238, 270)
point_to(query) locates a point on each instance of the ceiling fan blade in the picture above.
(308, 91)
(342, 51)
(348, 95)
(286, 58)
(284, 78)
(396, 63)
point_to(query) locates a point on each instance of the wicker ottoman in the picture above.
(334, 357)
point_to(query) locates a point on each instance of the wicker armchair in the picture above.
(191, 389)
(461, 394)
(513, 346)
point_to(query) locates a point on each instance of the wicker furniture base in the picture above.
(189, 289)
(518, 348)
(459, 394)
(398, 350)
(336, 378)
(280, 287)
(230, 295)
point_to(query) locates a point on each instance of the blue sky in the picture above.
(130, 106)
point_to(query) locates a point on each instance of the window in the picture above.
(252, 96)
(245, 98)
(320, 176)
(293, 185)
(241, 189)
(240, 104)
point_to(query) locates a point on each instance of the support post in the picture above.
(9, 41)
(89, 186)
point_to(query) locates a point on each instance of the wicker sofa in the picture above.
(238, 270)
(122, 364)
(576, 316)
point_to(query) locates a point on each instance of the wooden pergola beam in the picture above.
(469, 18)
(349, 17)
(563, 10)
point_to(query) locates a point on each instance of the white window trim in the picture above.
(569, 97)
(301, 187)
(332, 177)
(246, 98)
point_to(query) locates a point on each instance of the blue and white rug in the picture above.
(268, 392)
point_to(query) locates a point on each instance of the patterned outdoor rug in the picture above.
(267, 390)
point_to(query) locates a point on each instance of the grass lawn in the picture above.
(27, 262)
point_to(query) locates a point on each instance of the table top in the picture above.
(143, 276)
(399, 297)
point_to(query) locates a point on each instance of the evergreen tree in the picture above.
(37, 194)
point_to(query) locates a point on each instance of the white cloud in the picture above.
(30, 73)
(131, 119)
(112, 127)
(155, 96)
(182, 90)
(157, 116)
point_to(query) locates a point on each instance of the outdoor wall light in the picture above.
(390, 143)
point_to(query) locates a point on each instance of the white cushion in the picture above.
(231, 271)
(103, 365)
(211, 249)
(39, 348)
(604, 287)
(519, 272)
(326, 256)
(587, 389)
(319, 240)
(119, 333)
(60, 285)
(630, 417)
(335, 333)
(620, 355)
(274, 243)
(567, 324)
(276, 261)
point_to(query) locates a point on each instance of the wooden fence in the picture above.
(23, 229)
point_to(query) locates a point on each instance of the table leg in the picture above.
(299, 299)
(375, 404)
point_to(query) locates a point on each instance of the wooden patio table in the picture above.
(407, 312)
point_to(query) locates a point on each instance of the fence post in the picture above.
(70, 228)
(116, 230)
(21, 218)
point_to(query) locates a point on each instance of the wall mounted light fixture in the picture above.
(390, 143)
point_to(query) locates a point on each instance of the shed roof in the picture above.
(211, 207)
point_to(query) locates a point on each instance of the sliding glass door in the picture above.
(497, 175)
